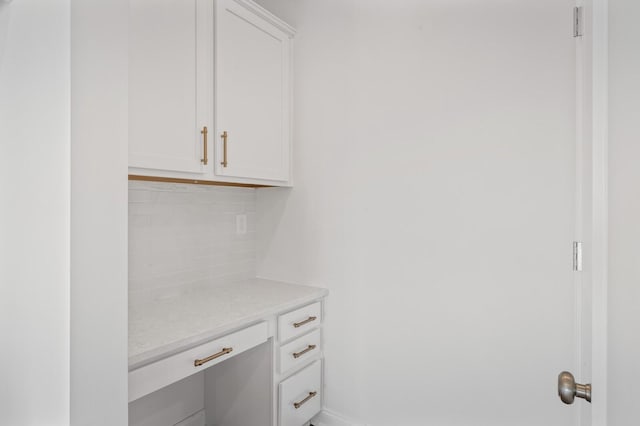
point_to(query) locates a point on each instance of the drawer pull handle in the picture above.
(299, 354)
(301, 403)
(199, 362)
(301, 323)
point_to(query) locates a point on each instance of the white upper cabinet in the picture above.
(253, 66)
(220, 64)
(170, 44)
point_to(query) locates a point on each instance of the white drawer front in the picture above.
(300, 321)
(147, 379)
(300, 351)
(301, 395)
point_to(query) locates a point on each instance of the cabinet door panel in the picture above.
(252, 93)
(167, 83)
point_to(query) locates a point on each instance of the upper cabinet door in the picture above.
(253, 92)
(170, 88)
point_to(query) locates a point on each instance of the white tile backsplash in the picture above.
(184, 236)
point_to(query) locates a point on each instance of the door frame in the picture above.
(599, 228)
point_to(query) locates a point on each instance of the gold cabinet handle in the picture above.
(308, 320)
(299, 354)
(301, 403)
(224, 351)
(224, 137)
(204, 133)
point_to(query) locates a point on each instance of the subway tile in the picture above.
(184, 236)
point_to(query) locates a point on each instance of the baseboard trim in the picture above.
(197, 419)
(331, 418)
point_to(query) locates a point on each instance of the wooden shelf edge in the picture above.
(195, 182)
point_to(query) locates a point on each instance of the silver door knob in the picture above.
(568, 389)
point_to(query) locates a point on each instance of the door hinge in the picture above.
(578, 21)
(577, 256)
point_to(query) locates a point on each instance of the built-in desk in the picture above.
(255, 346)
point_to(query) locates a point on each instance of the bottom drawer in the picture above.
(300, 396)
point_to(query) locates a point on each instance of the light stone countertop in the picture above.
(160, 328)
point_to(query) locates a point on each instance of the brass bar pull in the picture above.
(300, 324)
(204, 133)
(299, 354)
(301, 403)
(224, 137)
(224, 351)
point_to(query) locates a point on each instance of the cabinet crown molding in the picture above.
(267, 16)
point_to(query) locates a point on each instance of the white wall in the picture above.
(170, 405)
(34, 212)
(624, 213)
(99, 70)
(423, 131)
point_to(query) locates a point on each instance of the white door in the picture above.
(170, 57)
(477, 100)
(252, 95)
